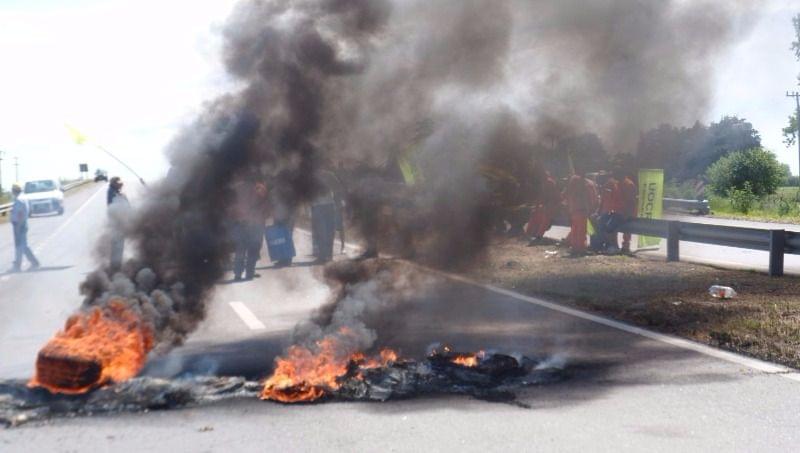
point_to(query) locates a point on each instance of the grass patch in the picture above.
(784, 206)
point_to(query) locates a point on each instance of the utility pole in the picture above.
(796, 97)
(16, 168)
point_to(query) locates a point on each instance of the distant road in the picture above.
(734, 222)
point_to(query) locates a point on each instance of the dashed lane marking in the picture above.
(247, 316)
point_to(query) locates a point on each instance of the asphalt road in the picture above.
(630, 390)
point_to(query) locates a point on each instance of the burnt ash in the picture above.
(497, 377)
(20, 404)
(494, 378)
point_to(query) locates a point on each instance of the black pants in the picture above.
(323, 229)
(248, 239)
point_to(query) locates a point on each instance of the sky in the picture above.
(129, 73)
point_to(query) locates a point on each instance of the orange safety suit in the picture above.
(581, 198)
(545, 208)
(611, 197)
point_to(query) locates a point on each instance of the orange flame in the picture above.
(103, 345)
(469, 360)
(305, 375)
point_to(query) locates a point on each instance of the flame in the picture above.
(468, 360)
(113, 337)
(307, 374)
(386, 357)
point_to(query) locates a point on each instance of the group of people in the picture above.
(605, 202)
(254, 204)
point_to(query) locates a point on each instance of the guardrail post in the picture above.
(777, 247)
(673, 241)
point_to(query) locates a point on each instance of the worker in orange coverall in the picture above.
(581, 198)
(610, 213)
(630, 207)
(545, 208)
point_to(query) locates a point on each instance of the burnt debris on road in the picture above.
(491, 377)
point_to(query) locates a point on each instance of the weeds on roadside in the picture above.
(784, 205)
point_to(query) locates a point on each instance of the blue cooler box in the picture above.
(279, 243)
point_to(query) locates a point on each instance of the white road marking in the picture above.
(66, 223)
(4, 278)
(247, 316)
(730, 357)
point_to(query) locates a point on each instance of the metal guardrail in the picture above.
(5, 208)
(776, 242)
(700, 206)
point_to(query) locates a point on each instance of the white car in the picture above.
(43, 197)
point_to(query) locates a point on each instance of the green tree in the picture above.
(756, 170)
(790, 131)
(685, 153)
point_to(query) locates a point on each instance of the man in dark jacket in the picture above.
(118, 211)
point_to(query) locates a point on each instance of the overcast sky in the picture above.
(128, 73)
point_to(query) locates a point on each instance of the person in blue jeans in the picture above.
(19, 222)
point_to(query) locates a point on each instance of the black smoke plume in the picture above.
(448, 86)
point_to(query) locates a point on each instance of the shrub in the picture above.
(743, 199)
(754, 171)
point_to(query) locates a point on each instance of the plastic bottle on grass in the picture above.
(722, 292)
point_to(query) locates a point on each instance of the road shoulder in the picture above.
(763, 321)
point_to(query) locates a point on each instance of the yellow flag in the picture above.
(79, 138)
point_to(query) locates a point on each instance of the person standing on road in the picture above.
(581, 200)
(324, 210)
(250, 212)
(610, 214)
(118, 211)
(19, 222)
(545, 208)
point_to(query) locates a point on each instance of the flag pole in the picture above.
(81, 139)
(101, 148)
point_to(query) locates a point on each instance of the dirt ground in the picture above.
(763, 321)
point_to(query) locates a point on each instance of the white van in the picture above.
(43, 196)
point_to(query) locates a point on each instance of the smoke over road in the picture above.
(448, 84)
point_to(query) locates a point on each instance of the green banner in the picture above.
(651, 201)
